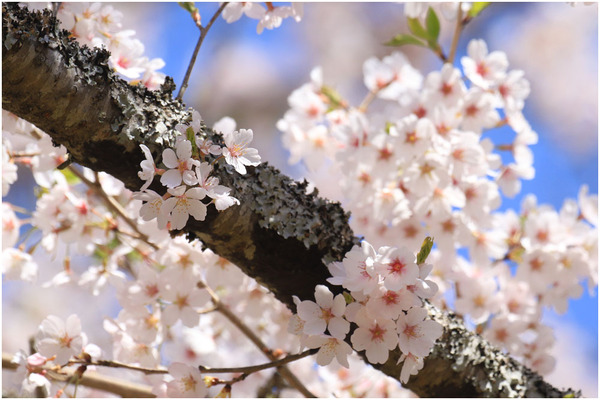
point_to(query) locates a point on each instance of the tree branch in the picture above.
(279, 235)
(93, 380)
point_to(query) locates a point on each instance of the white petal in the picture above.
(170, 159)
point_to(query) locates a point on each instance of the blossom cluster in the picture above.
(189, 179)
(269, 18)
(387, 288)
(57, 343)
(416, 163)
(99, 25)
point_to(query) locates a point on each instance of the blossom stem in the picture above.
(371, 96)
(283, 370)
(259, 367)
(203, 32)
(457, 30)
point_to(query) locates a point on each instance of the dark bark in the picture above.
(279, 235)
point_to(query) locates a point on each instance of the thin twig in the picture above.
(255, 368)
(112, 204)
(203, 32)
(457, 30)
(116, 364)
(93, 380)
(283, 370)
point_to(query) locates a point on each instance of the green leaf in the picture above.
(334, 97)
(348, 297)
(388, 125)
(403, 39)
(425, 250)
(191, 136)
(433, 26)
(70, 176)
(478, 7)
(415, 27)
(191, 8)
(188, 6)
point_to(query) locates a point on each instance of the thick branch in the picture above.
(279, 235)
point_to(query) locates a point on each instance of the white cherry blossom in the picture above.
(237, 153)
(180, 162)
(182, 203)
(59, 338)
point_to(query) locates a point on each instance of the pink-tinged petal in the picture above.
(47, 347)
(52, 326)
(196, 209)
(199, 298)
(171, 178)
(146, 151)
(313, 342)
(73, 325)
(314, 326)
(323, 296)
(168, 205)
(170, 158)
(196, 193)
(179, 216)
(361, 339)
(377, 354)
(189, 317)
(308, 310)
(189, 178)
(170, 315)
(339, 327)
(342, 352)
(325, 355)
(339, 305)
(178, 191)
(184, 150)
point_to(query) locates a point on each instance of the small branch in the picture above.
(203, 32)
(116, 364)
(255, 368)
(92, 380)
(283, 370)
(457, 30)
(112, 204)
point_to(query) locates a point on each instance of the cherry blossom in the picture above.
(181, 163)
(398, 268)
(326, 313)
(17, 265)
(30, 374)
(416, 333)
(185, 299)
(59, 338)
(148, 168)
(237, 153)
(10, 226)
(483, 69)
(376, 337)
(181, 205)
(330, 347)
(187, 381)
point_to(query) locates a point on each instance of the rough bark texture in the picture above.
(279, 235)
